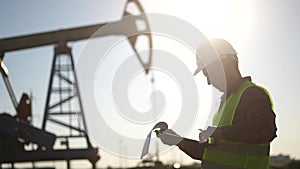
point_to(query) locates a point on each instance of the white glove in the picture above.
(169, 137)
(205, 134)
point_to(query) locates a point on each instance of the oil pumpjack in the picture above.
(63, 91)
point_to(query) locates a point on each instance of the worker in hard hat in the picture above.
(244, 125)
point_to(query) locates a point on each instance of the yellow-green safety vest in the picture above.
(222, 154)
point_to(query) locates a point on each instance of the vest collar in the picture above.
(235, 87)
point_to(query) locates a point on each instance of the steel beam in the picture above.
(123, 27)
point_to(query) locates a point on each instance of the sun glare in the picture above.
(215, 18)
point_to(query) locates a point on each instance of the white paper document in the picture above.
(162, 126)
(146, 145)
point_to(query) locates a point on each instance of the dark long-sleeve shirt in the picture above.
(253, 123)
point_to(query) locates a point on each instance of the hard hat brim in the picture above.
(197, 71)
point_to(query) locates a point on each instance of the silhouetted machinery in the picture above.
(17, 132)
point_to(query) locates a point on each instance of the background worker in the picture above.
(244, 125)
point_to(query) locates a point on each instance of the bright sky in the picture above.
(264, 33)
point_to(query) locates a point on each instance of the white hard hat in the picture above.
(212, 51)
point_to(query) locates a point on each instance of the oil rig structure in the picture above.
(17, 131)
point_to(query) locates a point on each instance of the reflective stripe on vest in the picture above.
(213, 165)
(234, 154)
(248, 149)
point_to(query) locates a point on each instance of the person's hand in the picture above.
(205, 134)
(169, 137)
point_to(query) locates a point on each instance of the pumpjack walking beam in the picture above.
(127, 26)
